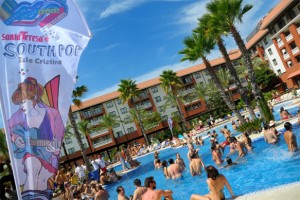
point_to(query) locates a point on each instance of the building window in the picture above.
(118, 134)
(293, 45)
(119, 101)
(279, 72)
(75, 116)
(117, 125)
(291, 14)
(275, 62)
(68, 140)
(298, 58)
(273, 30)
(289, 63)
(158, 99)
(71, 150)
(270, 51)
(85, 145)
(164, 118)
(161, 108)
(130, 130)
(197, 75)
(109, 104)
(265, 41)
(113, 113)
(98, 110)
(154, 89)
(187, 80)
(87, 113)
(281, 23)
(123, 110)
(283, 51)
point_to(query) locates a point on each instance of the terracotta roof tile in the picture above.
(256, 38)
(152, 82)
(275, 12)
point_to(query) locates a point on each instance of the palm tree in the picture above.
(3, 146)
(129, 91)
(68, 135)
(199, 46)
(225, 79)
(171, 84)
(76, 94)
(215, 28)
(230, 12)
(109, 121)
(201, 92)
(85, 128)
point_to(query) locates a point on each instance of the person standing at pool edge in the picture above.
(290, 138)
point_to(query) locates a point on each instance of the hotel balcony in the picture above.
(286, 56)
(185, 92)
(289, 37)
(295, 50)
(145, 106)
(101, 132)
(102, 143)
(94, 123)
(280, 43)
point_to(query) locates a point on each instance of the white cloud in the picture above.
(120, 6)
(150, 75)
(189, 14)
(107, 48)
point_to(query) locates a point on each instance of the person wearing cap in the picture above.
(139, 191)
(290, 137)
(269, 135)
(272, 127)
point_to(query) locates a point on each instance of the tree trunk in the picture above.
(89, 142)
(231, 105)
(65, 150)
(77, 135)
(179, 108)
(140, 122)
(266, 113)
(236, 79)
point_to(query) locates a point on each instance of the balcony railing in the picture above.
(185, 92)
(298, 30)
(102, 143)
(286, 56)
(289, 37)
(295, 50)
(280, 43)
(145, 106)
(96, 122)
(101, 132)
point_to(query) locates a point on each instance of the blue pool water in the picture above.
(267, 166)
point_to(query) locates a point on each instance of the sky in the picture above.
(138, 39)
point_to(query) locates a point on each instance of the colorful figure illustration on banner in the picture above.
(36, 130)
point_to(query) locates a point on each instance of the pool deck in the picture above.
(285, 192)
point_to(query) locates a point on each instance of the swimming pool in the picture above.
(267, 166)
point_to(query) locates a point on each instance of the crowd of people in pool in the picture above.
(74, 185)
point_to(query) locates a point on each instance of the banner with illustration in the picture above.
(41, 43)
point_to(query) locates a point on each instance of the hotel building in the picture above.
(275, 39)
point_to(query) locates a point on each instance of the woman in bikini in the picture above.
(216, 183)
